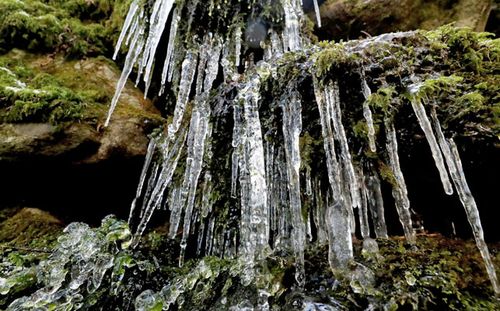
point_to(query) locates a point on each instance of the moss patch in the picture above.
(51, 89)
(76, 27)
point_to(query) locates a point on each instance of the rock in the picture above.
(28, 225)
(351, 19)
(79, 137)
(53, 146)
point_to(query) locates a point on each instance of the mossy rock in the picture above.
(76, 27)
(343, 19)
(30, 228)
(51, 106)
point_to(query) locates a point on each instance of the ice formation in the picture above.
(262, 172)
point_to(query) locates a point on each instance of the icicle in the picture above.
(292, 126)
(210, 236)
(281, 202)
(145, 168)
(367, 113)
(206, 202)
(425, 124)
(175, 212)
(399, 191)
(276, 45)
(309, 191)
(196, 146)
(269, 160)
(254, 232)
(135, 49)
(450, 152)
(328, 141)
(237, 46)
(172, 152)
(187, 77)
(376, 205)
(157, 23)
(128, 25)
(170, 48)
(333, 101)
(212, 68)
(153, 178)
(339, 236)
(291, 33)
(237, 136)
(346, 195)
(363, 209)
(337, 217)
(319, 213)
(318, 16)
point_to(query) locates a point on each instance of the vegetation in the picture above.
(76, 28)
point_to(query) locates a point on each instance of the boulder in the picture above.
(27, 225)
(53, 145)
(342, 19)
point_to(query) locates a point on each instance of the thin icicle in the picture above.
(206, 201)
(127, 25)
(292, 126)
(367, 114)
(363, 209)
(338, 213)
(134, 52)
(172, 152)
(425, 124)
(170, 49)
(158, 21)
(376, 205)
(145, 168)
(237, 45)
(309, 191)
(319, 213)
(187, 77)
(175, 212)
(333, 101)
(318, 15)
(196, 146)
(237, 136)
(452, 157)
(328, 141)
(399, 191)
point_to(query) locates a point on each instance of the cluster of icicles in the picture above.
(266, 175)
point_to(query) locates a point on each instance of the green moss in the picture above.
(387, 174)
(332, 56)
(77, 27)
(51, 89)
(30, 95)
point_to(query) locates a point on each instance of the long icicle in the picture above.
(363, 208)
(172, 151)
(399, 191)
(337, 215)
(333, 101)
(452, 157)
(367, 114)
(376, 205)
(425, 124)
(292, 126)
(254, 231)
